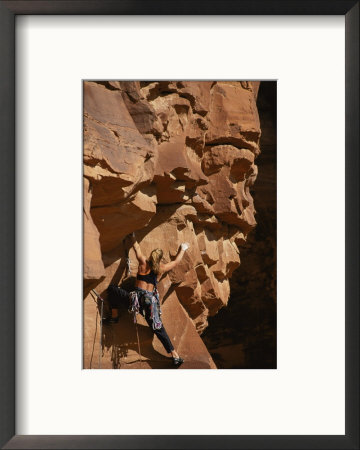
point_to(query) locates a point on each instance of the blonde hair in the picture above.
(155, 258)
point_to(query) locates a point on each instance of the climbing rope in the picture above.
(101, 324)
(138, 341)
(134, 301)
(134, 309)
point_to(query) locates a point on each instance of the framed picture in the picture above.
(182, 197)
(227, 80)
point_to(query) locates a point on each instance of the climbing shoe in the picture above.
(177, 361)
(110, 320)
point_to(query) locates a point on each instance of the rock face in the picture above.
(243, 335)
(172, 161)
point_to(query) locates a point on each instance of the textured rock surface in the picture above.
(243, 335)
(173, 161)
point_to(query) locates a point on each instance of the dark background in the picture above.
(243, 334)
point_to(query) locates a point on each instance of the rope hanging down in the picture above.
(101, 323)
(135, 308)
(134, 301)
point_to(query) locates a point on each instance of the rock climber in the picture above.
(147, 277)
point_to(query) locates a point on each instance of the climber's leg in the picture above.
(117, 297)
(145, 301)
(162, 335)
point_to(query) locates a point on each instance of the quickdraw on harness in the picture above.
(134, 304)
(155, 308)
(134, 309)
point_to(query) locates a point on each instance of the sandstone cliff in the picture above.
(243, 335)
(174, 162)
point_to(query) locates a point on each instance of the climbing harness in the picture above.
(155, 308)
(134, 304)
(101, 323)
(155, 312)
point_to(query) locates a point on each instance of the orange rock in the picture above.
(93, 263)
(173, 161)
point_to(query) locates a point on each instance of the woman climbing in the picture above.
(146, 291)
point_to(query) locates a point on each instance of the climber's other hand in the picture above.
(185, 246)
(131, 236)
(129, 239)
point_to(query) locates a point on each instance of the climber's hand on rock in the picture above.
(130, 239)
(185, 246)
(131, 236)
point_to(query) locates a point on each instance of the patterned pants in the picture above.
(118, 297)
(145, 310)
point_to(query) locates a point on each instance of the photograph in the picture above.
(177, 165)
(179, 224)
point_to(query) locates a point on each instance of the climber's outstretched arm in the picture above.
(168, 266)
(139, 256)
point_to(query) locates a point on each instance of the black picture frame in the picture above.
(8, 12)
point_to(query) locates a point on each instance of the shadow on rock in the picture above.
(121, 340)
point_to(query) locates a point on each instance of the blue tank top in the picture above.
(150, 277)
